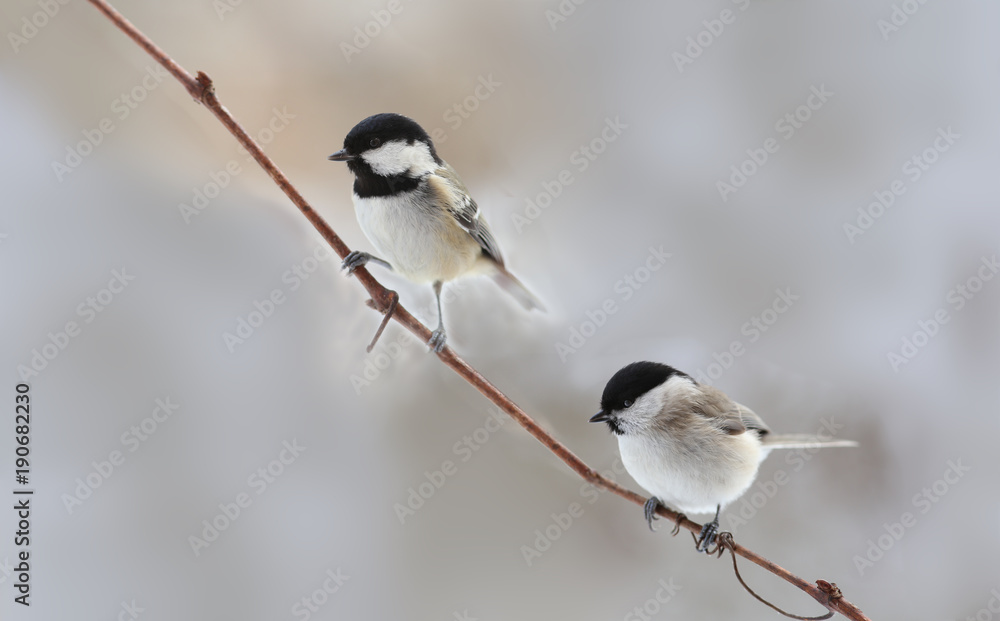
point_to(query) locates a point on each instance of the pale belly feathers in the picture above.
(692, 482)
(423, 247)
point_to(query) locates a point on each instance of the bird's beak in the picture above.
(342, 156)
(600, 417)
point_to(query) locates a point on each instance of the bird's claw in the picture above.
(709, 533)
(437, 340)
(354, 260)
(677, 525)
(649, 511)
(357, 259)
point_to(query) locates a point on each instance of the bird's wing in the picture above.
(751, 420)
(466, 212)
(730, 416)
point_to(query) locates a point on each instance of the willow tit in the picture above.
(688, 444)
(417, 213)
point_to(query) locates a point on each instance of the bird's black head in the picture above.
(627, 385)
(387, 153)
(380, 129)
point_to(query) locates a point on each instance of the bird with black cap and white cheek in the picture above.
(417, 212)
(688, 444)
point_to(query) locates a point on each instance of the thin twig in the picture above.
(726, 543)
(383, 299)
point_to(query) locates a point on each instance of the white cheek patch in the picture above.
(397, 157)
(646, 407)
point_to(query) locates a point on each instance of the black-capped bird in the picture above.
(417, 212)
(688, 444)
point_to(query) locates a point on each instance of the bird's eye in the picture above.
(628, 403)
(375, 142)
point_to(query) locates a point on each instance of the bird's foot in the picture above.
(649, 511)
(437, 340)
(709, 532)
(355, 260)
(677, 525)
(358, 259)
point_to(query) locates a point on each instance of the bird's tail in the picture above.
(513, 286)
(802, 440)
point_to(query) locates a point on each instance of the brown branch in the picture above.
(203, 91)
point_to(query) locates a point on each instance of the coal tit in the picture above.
(417, 212)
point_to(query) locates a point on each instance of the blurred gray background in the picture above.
(401, 499)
